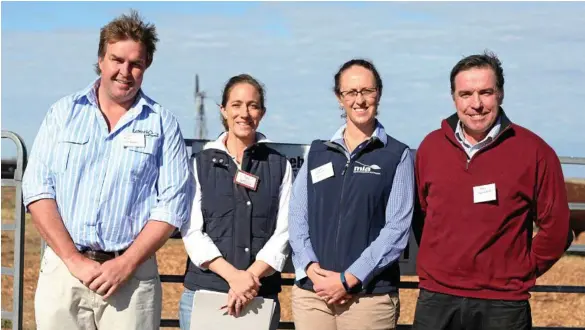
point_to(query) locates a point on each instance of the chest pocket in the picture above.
(141, 160)
(70, 152)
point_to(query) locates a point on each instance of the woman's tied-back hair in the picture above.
(364, 64)
(240, 79)
(127, 27)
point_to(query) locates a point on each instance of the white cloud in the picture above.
(414, 45)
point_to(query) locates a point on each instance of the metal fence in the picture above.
(196, 145)
(18, 227)
(575, 248)
(17, 270)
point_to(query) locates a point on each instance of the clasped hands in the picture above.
(244, 286)
(327, 284)
(103, 279)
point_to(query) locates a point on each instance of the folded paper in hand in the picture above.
(206, 313)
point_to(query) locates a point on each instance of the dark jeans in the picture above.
(439, 311)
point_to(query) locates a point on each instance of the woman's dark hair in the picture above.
(240, 79)
(364, 64)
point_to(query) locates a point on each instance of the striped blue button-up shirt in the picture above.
(391, 241)
(105, 189)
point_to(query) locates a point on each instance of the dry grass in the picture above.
(549, 309)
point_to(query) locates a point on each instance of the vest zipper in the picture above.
(243, 167)
(349, 160)
(345, 168)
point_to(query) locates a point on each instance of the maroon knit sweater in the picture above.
(486, 250)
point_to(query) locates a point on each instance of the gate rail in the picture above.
(17, 270)
(575, 248)
(18, 227)
(414, 284)
(402, 285)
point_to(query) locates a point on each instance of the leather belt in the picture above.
(101, 256)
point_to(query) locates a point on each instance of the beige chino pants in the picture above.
(63, 302)
(362, 312)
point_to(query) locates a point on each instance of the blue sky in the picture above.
(294, 48)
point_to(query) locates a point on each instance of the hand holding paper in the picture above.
(235, 305)
(256, 315)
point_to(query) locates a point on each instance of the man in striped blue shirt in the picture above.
(107, 184)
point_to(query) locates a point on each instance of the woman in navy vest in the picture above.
(350, 214)
(237, 237)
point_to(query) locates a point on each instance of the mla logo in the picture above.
(367, 169)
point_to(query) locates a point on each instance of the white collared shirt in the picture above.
(199, 245)
(471, 149)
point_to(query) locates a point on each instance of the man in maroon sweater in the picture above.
(481, 182)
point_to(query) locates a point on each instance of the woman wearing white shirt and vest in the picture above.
(238, 234)
(350, 213)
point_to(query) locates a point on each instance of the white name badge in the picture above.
(322, 172)
(134, 140)
(246, 179)
(485, 193)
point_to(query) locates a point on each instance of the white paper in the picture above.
(206, 313)
(485, 193)
(322, 172)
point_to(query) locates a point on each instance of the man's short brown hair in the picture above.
(127, 27)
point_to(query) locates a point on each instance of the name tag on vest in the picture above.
(322, 172)
(246, 179)
(134, 140)
(485, 193)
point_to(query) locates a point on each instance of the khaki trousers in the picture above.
(362, 312)
(63, 302)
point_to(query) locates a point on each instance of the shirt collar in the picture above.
(379, 132)
(491, 134)
(90, 92)
(219, 144)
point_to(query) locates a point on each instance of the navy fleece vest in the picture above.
(347, 211)
(238, 220)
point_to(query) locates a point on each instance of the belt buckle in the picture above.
(98, 256)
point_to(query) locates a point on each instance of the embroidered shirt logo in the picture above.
(367, 169)
(145, 132)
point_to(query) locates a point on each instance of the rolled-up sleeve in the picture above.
(276, 249)
(175, 184)
(39, 179)
(393, 237)
(300, 242)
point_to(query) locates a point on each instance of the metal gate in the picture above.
(17, 271)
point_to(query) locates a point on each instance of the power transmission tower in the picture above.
(201, 126)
